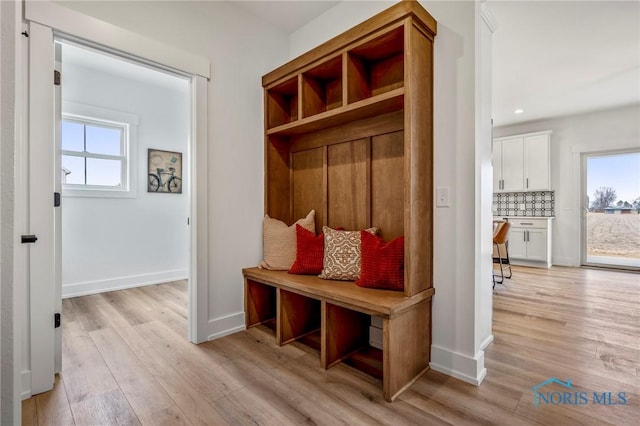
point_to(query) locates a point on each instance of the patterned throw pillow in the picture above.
(279, 241)
(382, 263)
(342, 254)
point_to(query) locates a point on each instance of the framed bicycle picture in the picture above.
(165, 171)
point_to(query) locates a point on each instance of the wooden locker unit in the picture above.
(349, 133)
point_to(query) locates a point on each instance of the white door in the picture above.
(512, 164)
(536, 163)
(44, 182)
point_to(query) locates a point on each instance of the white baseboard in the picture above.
(486, 342)
(223, 326)
(26, 384)
(565, 261)
(121, 283)
(463, 367)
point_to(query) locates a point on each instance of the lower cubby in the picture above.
(298, 317)
(345, 332)
(260, 304)
(367, 360)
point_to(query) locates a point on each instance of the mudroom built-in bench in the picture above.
(349, 134)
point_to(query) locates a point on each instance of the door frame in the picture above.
(95, 33)
(583, 208)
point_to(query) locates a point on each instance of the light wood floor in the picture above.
(126, 361)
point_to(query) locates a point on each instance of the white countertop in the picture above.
(524, 217)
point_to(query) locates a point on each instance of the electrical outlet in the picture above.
(442, 196)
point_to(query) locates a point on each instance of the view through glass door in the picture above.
(612, 210)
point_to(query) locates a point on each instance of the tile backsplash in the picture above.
(531, 204)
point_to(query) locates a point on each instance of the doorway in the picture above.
(611, 202)
(42, 261)
(121, 122)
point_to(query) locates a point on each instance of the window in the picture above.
(98, 151)
(94, 153)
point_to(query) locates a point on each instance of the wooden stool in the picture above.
(501, 238)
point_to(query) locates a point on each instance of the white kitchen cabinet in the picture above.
(521, 163)
(512, 164)
(536, 162)
(517, 243)
(530, 241)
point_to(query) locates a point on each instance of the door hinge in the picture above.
(56, 320)
(56, 78)
(56, 199)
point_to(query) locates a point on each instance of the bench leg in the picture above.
(406, 349)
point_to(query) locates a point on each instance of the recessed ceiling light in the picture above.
(518, 111)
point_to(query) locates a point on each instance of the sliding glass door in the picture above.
(611, 200)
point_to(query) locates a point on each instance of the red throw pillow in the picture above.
(309, 252)
(382, 263)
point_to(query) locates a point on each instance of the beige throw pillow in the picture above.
(279, 241)
(342, 256)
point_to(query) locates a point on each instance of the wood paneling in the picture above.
(277, 179)
(348, 185)
(387, 184)
(386, 123)
(418, 157)
(309, 191)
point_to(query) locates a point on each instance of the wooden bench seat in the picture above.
(334, 318)
(382, 303)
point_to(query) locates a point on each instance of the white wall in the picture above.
(241, 49)
(457, 305)
(10, 338)
(606, 130)
(112, 243)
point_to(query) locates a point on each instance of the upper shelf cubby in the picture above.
(322, 87)
(376, 66)
(282, 103)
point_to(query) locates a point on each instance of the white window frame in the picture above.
(97, 116)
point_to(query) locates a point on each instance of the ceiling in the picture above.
(550, 58)
(287, 15)
(76, 56)
(554, 58)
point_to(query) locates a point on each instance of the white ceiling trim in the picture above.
(75, 24)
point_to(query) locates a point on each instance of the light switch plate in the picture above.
(442, 196)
